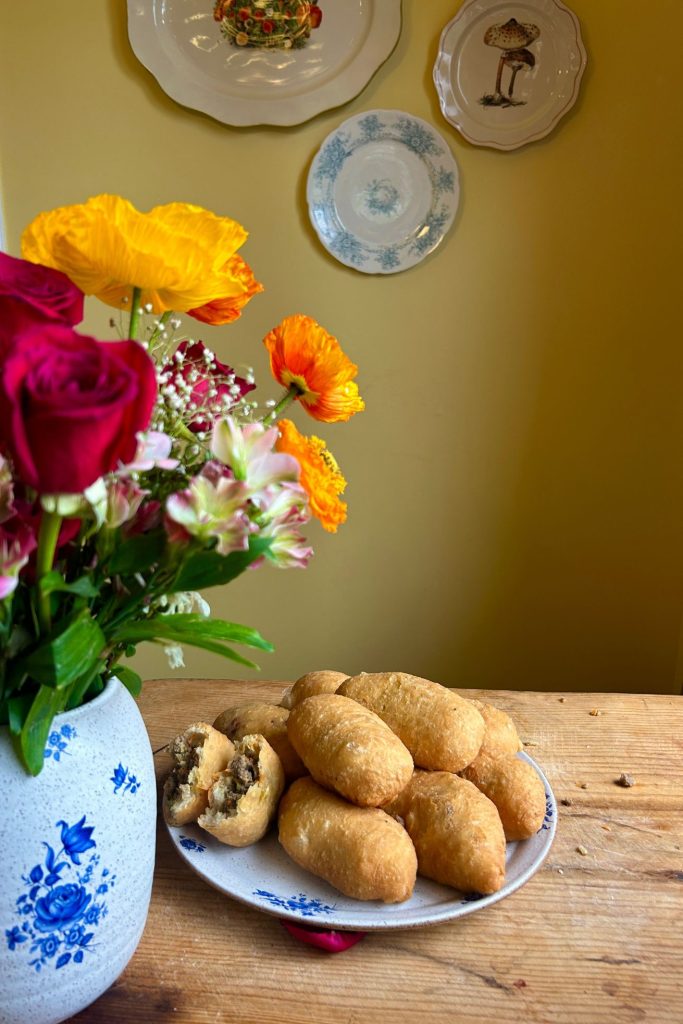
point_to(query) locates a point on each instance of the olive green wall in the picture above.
(515, 485)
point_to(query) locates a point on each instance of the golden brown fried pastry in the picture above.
(456, 831)
(516, 789)
(199, 753)
(243, 798)
(324, 681)
(500, 736)
(361, 851)
(349, 749)
(268, 720)
(440, 729)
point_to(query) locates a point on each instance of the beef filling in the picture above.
(186, 758)
(242, 773)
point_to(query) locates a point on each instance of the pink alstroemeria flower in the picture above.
(15, 548)
(288, 549)
(248, 451)
(210, 508)
(154, 449)
(124, 497)
(285, 503)
(281, 510)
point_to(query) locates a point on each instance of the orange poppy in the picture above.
(305, 357)
(320, 474)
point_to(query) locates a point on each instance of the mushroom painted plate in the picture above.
(382, 191)
(201, 62)
(507, 72)
(264, 877)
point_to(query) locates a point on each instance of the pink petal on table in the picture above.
(323, 938)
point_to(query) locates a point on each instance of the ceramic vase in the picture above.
(77, 855)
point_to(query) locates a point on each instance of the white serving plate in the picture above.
(264, 877)
(182, 46)
(466, 72)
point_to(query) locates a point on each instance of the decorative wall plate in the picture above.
(382, 191)
(189, 53)
(507, 72)
(264, 877)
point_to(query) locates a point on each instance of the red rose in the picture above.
(316, 17)
(268, 27)
(47, 291)
(205, 376)
(70, 406)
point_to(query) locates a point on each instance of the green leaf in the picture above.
(195, 630)
(131, 680)
(17, 709)
(217, 648)
(54, 581)
(209, 569)
(47, 703)
(80, 687)
(68, 656)
(136, 554)
(186, 628)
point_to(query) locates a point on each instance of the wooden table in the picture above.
(595, 936)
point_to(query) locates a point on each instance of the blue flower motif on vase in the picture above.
(58, 910)
(124, 780)
(58, 741)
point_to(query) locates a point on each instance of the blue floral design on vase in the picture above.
(306, 906)
(59, 911)
(58, 741)
(124, 780)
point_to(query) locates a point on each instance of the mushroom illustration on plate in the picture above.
(513, 38)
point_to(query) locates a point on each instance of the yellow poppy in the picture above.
(229, 307)
(304, 356)
(320, 474)
(178, 255)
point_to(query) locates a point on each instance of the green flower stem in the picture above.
(50, 523)
(163, 320)
(290, 395)
(134, 321)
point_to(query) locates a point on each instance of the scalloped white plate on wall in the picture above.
(382, 191)
(182, 45)
(507, 72)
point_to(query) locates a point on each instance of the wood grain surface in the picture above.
(594, 936)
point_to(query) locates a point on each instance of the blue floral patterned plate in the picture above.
(382, 191)
(264, 877)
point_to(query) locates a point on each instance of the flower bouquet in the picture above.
(135, 473)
